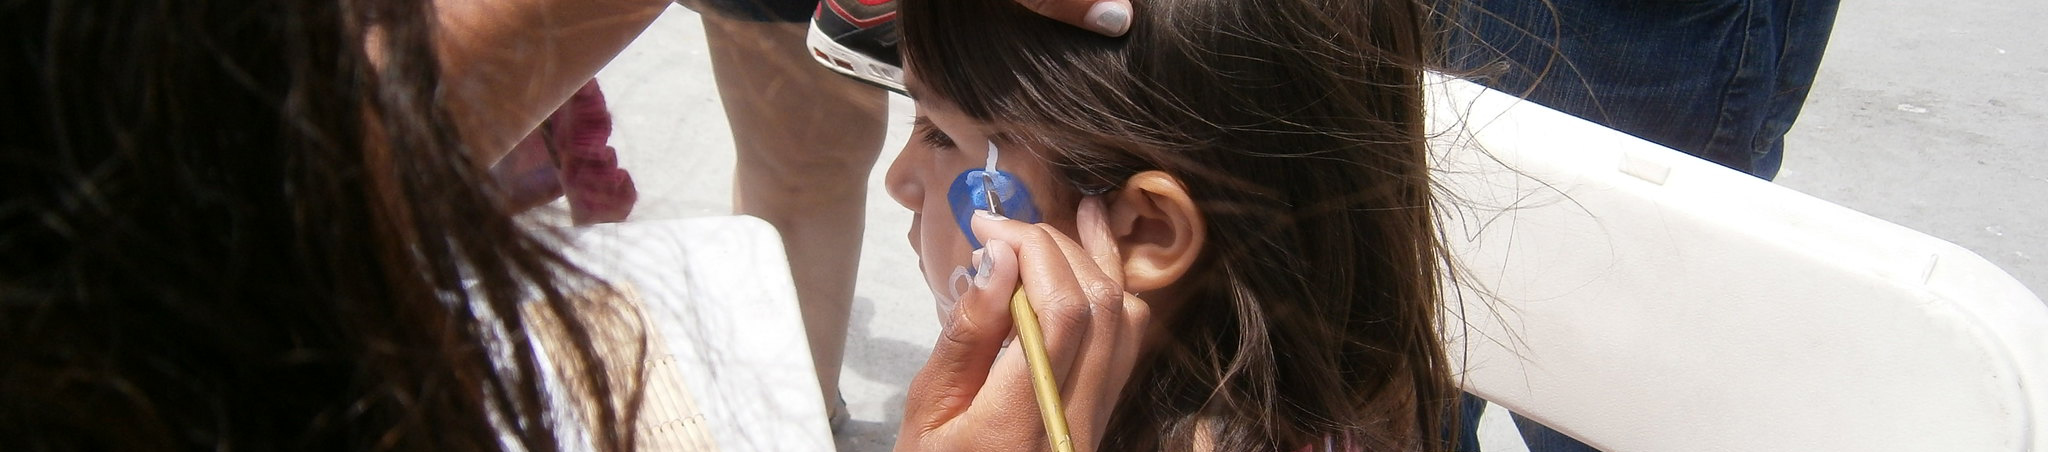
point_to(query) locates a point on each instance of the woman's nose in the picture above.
(902, 181)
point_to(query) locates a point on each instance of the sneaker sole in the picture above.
(853, 64)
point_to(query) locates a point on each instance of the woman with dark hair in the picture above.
(255, 225)
(266, 224)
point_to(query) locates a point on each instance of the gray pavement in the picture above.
(1924, 114)
(1931, 115)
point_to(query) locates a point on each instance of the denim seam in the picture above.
(1729, 128)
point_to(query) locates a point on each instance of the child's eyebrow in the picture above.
(1005, 137)
(999, 136)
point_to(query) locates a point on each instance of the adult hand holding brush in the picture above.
(975, 393)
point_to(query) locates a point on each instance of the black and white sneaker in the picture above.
(858, 38)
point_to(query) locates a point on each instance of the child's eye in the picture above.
(930, 133)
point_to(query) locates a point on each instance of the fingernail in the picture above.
(1008, 339)
(983, 266)
(987, 215)
(1109, 18)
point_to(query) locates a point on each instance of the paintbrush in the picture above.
(1042, 383)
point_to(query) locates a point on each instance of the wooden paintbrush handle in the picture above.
(1042, 382)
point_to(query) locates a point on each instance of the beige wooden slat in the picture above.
(669, 419)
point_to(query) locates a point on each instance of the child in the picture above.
(1260, 168)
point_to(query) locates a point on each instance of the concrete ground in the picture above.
(1928, 116)
(1932, 117)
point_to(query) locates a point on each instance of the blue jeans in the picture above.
(1718, 79)
(1536, 436)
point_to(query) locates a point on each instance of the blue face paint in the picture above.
(970, 193)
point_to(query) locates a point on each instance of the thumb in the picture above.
(967, 348)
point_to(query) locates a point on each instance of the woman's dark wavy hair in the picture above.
(1297, 126)
(250, 225)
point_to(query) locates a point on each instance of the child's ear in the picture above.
(1157, 228)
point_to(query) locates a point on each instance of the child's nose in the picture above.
(902, 181)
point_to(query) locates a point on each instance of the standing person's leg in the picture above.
(807, 139)
(1721, 80)
(1802, 28)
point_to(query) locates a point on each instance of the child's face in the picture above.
(945, 142)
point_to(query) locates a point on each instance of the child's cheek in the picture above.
(943, 257)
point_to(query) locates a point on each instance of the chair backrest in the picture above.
(718, 293)
(1640, 299)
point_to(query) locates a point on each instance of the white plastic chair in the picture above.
(1640, 299)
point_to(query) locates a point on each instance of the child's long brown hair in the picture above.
(1298, 127)
(251, 225)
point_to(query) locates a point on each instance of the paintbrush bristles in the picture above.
(988, 189)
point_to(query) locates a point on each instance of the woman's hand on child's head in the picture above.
(1109, 17)
(973, 394)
